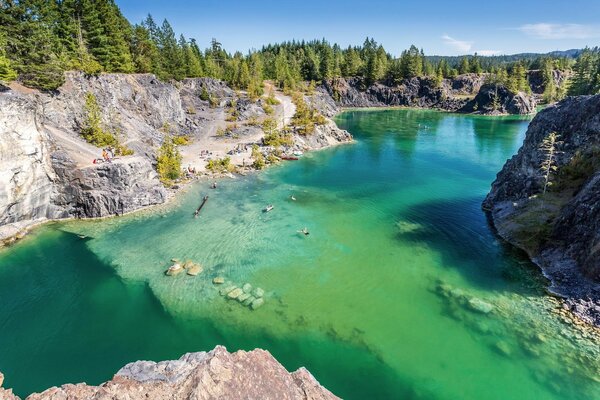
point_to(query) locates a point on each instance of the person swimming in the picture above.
(293, 198)
(304, 231)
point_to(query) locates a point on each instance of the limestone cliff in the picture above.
(217, 374)
(559, 229)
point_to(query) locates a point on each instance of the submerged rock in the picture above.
(249, 300)
(218, 280)
(174, 269)
(241, 298)
(503, 348)
(479, 305)
(194, 270)
(235, 293)
(257, 303)
(258, 292)
(226, 289)
(247, 288)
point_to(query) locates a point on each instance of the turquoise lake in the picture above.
(380, 301)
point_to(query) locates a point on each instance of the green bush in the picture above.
(93, 132)
(181, 140)
(220, 165)
(168, 161)
(306, 118)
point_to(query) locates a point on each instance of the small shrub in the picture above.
(220, 165)
(268, 109)
(271, 100)
(93, 132)
(204, 95)
(306, 118)
(181, 140)
(168, 161)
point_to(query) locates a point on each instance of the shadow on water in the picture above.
(65, 321)
(459, 230)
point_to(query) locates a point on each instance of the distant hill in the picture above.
(506, 59)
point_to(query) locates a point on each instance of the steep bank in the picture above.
(217, 374)
(47, 169)
(465, 94)
(559, 229)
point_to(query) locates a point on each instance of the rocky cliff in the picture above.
(559, 229)
(498, 100)
(456, 95)
(201, 376)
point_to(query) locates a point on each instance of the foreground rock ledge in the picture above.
(217, 374)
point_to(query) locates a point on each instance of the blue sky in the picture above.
(439, 27)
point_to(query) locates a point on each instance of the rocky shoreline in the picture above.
(559, 228)
(46, 169)
(216, 374)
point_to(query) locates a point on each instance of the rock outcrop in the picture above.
(560, 229)
(498, 100)
(201, 376)
(465, 93)
(415, 92)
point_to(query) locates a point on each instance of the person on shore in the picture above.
(104, 155)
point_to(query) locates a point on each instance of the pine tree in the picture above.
(475, 65)
(464, 67)
(193, 68)
(7, 73)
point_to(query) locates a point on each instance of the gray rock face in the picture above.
(569, 256)
(449, 95)
(201, 376)
(26, 176)
(415, 92)
(536, 80)
(108, 189)
(498, 100)
(46, 168)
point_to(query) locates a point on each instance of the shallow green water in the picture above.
(392, 217)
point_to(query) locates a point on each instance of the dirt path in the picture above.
(80, 151)
(205, 138)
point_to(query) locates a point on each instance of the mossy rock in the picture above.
(247, 288)
(258, 292)
(249, 300)
(257, 303)
(235, 293)
(242, 297)
(226, 289)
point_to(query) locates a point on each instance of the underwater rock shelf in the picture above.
(245, 295)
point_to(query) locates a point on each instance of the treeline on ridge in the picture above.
(40, 39)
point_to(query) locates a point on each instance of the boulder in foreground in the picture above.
(217, 374)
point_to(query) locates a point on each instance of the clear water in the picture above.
(391, 218)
